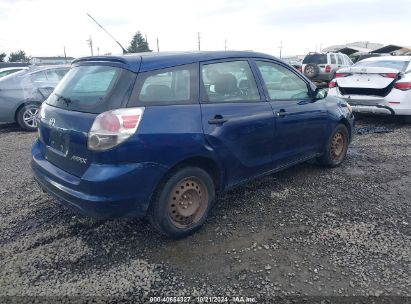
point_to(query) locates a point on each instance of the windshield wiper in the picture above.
(67, 100)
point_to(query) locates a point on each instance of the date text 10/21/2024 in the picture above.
(235, 299)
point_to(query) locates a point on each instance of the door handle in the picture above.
(282, 113)
(217, 120)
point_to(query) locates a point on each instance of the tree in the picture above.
(138, 44)
(19, 56)
(2, 57)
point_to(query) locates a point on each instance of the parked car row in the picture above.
(11, 70)
(158, 135)
(22, 92)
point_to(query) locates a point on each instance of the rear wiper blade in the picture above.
(67, 100)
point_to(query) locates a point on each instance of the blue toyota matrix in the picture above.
(159, 134)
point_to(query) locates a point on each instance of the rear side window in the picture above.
(332, 56)
(38, 76)
(177, 85)
(93, 89)
(56, 75)
(229, 81)
(315, 58)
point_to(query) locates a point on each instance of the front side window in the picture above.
(339, 59)
(281, 83)
(229, 82)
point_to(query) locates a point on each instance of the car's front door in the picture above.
(238, 124)
(300, 120)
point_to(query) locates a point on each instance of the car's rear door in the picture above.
(68, 114)
(238, 124)
(300, 120)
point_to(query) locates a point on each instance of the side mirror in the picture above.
(320, 93)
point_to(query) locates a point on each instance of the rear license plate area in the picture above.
(59, 142)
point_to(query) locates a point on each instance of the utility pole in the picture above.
(225, 44)
(198, 39)
(65, 55)
(90, 44)
(281, 48)
(158, 46)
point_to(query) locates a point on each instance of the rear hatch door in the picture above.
(63, 134)
(367, 77)
(68, 114)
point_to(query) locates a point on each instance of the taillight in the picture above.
(339, 75)
(111, 128)
(389, 75)
(403, 86)
(332, 84)
(327, 68)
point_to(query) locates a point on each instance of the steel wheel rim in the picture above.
(338, 144)
(30, 117)
(187, 202)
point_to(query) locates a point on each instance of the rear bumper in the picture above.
(395, 103)
(104, 191)
(378, 109)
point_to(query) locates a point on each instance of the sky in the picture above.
(45, 27)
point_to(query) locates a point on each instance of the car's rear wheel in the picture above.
(182, 203)
(336, 147)
(27, 117)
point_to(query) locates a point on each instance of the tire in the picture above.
(182, 203)
(311, 70)
(336, 147)
(26, 117)
(406, 119)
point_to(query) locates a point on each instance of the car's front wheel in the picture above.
(336, 147)
(27, 117)
(182, 203)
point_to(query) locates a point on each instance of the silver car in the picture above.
(321, 67)
(7, 71)
(22, 93)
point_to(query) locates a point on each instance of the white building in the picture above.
(51, 60)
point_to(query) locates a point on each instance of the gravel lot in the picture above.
(307, 231)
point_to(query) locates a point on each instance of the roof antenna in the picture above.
(124, 50)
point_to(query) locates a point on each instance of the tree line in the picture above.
(138, 44)
(18, 56)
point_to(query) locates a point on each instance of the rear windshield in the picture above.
(315, 58)
(93, 89)
(392, 64)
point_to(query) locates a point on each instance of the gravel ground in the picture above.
(307, 233)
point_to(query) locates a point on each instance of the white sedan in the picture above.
(380, 85)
